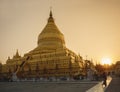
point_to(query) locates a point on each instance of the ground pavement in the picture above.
(114, 85)
(75, 86)
(45, 87)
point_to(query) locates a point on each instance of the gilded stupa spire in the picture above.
(50, 13)
(50, 19)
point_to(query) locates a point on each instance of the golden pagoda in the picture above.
(51, 58)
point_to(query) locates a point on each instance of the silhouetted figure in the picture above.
(104, 79)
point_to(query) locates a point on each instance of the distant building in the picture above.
(51, 58)
(117, 68)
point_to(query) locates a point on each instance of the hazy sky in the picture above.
(90, 27)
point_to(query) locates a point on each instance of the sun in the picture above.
(106, 61)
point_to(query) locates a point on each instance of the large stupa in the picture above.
(51, 58)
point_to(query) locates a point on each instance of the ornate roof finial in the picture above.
(8, 57)
(17, 54)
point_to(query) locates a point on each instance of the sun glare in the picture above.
(106, 61)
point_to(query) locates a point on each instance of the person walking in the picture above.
(104, 79)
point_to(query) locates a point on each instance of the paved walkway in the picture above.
(114, 86)
(45, 87)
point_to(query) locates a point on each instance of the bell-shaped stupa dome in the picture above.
(51, 37)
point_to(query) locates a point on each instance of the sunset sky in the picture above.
(90, 27)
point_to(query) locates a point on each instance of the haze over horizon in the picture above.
(90, 27)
